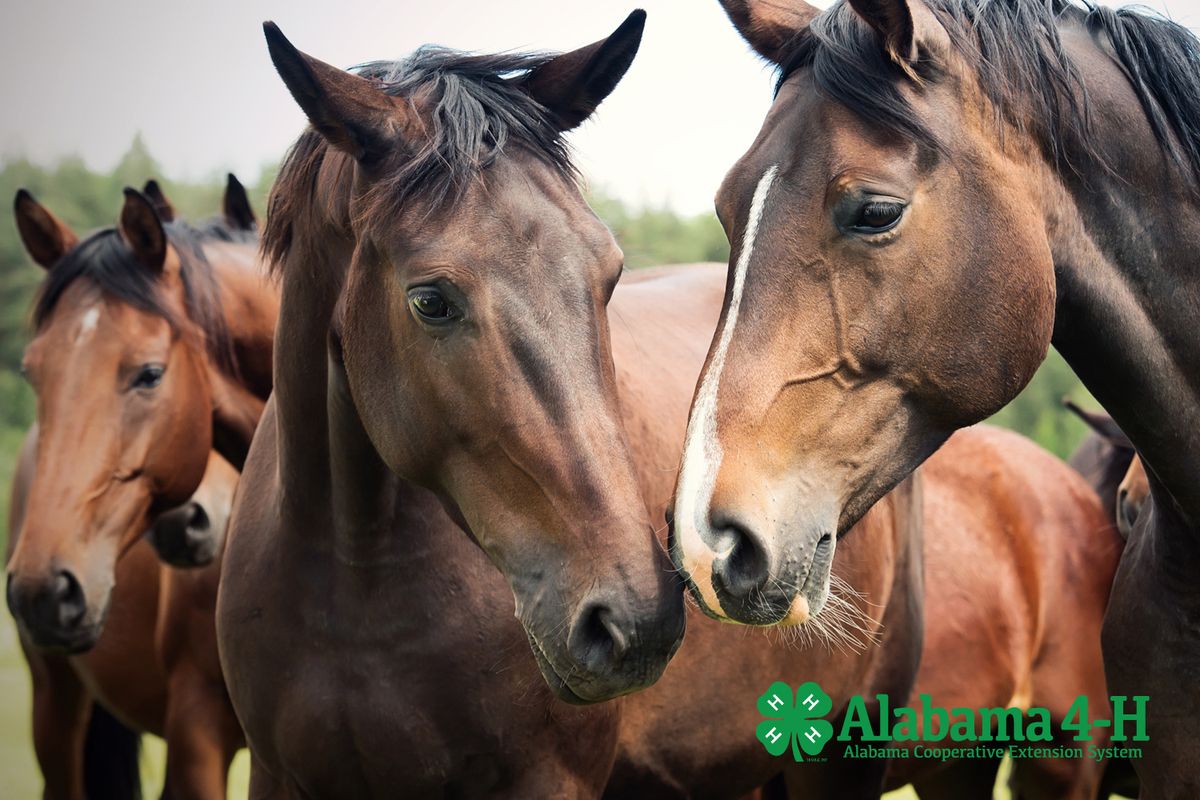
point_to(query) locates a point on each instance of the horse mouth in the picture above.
(811, 597)
(558, 684)
(68, 643)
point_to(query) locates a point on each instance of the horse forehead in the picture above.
(514, 227)
(97, 324)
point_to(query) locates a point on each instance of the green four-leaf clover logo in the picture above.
(794, 719)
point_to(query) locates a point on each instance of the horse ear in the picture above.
(236, 206)
(1101, 423)
(770, 26)
(350, 112)
(903, 26)
(45, 236)
(142, 230)
(573, 84)
(162, 205)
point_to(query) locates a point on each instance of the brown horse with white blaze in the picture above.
(939, 190)
(141, 367)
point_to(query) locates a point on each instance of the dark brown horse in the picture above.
(152, 345)
(939, 191)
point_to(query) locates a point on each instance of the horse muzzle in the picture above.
(185, 536)
(610, 649)
(53, 612)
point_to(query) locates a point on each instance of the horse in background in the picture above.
(182, 320)
(1103, 458)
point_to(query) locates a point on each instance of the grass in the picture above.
(19, 774)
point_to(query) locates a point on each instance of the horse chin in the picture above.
(808, 601)
(70, 643)
(814, 594)
(557, 684)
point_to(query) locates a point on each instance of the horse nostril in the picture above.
(597, 640)
(744, 566)
(67, 595)
(198, 519)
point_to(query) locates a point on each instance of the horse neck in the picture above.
(311, 282)
(328, 467)
(1124, 246)
(250, 305)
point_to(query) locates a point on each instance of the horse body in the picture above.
(345, 653)
(1007, 521)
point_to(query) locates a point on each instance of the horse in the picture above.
(179, 319)
(978, 180)
(1103, 457)
(157, 670)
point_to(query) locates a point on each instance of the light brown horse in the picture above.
(940, 189)
(152, 346)
(1019, 560)
(154, 667)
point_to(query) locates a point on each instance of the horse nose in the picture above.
(50, 609)
(600, 637)
(742, 572)
(183, 537)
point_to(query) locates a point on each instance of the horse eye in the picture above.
(149, 376)
(430, 305)
(878, 216)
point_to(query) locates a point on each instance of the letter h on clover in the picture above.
(794, 719)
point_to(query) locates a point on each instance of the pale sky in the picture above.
(83, 76)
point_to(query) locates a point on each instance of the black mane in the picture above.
(108, 263)
(1022, 67)
(475, 108)
(217, 228)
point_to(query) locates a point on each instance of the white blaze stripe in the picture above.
(87, 324)
(702, 450)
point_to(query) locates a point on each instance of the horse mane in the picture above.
(1022, 67)
(475, 110)
(106, 261)
(217, 228)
